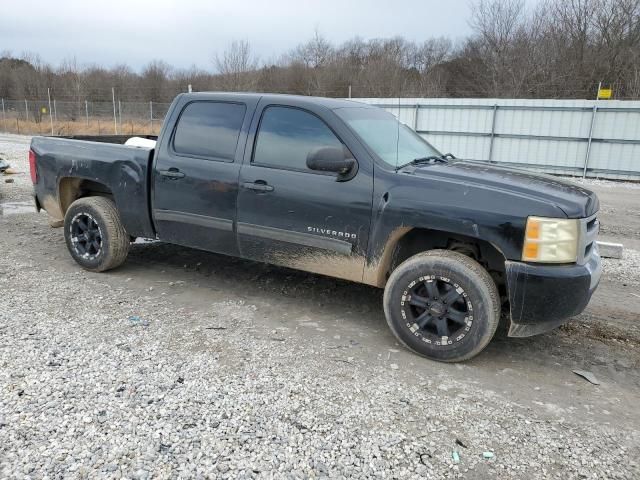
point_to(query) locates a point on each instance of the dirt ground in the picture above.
(519, 399)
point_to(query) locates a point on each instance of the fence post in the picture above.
(26, 110)
(349, 90)
(86, 111)
(189, 88)
(115, 120)
(4, 115)
(493, 131)
(151, 115)
(415, 117)
(120, 114)
(50, 114)
(588, 154)
(55, 111)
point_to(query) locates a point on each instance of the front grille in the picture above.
(588, 233)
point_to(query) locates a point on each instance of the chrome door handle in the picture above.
(258, 186)
(173, 173)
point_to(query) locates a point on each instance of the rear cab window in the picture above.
(209, 130)
(286, 135)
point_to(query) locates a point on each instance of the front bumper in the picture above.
(542, 297)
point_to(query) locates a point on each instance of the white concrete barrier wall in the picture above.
(553, 136)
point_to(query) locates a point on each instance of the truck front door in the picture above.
(292, 216)
(195, 178)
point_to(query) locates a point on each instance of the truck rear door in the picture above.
(195, 177)
(290, 215)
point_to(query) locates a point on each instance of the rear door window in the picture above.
(209, 130)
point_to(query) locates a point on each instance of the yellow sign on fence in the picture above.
(43, 110)
(605, 94)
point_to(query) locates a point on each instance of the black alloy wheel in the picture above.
(86, 235)
(438, 309)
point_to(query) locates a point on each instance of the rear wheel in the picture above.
(442, 305)
(94, 234)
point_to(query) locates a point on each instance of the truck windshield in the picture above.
(392, 141)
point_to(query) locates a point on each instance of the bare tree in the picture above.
(617, 42)
(70, 83)
(558, 49)
(312, 62)
(499, 26)
(315, 53)
(153, 81)
(236, 66)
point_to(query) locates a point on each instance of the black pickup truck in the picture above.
(338, 188)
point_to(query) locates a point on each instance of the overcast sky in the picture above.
(190, 32)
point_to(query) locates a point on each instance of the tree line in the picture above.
(557, 49)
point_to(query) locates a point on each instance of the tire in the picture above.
(415, 308)
(104, 243)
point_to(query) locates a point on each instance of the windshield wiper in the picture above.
(423, 160)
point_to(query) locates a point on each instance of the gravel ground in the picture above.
(14, 148)
(627, 269)
(606, 184)
(85, 389)
(169, 368)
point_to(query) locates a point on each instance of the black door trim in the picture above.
(298, 238)
(194, 219)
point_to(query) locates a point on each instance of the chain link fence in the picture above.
(41, 117)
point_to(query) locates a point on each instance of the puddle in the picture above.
(14, 208)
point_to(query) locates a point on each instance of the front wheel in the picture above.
(95, 235)
(442, 305)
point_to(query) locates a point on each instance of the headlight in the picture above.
(551, 240)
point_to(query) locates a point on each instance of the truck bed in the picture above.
(116, 139)
(101, 164)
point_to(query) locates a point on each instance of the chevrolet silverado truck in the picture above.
(339, 188)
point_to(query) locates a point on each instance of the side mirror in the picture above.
(331, 159)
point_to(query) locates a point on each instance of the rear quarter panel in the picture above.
(123, 170)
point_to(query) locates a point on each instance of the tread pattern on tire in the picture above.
(486, 283)
(119, 241)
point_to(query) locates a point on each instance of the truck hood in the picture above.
(574, 200)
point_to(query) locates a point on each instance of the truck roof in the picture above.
(331, 103)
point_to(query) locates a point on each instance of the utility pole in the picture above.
(590, 141)
(50, 114)
(115, 119)
(26, 110)
(86, 111)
